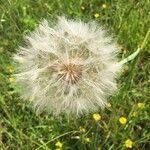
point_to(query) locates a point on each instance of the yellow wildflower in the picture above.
(104, 6)
(59, 145)
(87, 140)
(96, 117)
(82, 129)
(122, 120)
(128, 143)
(96, 15)
(82, 7)
(10, 69)
(141, 105)
(134, 114)
(11, 79)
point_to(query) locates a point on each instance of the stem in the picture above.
(132, 56)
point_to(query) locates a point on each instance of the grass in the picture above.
(21, 129)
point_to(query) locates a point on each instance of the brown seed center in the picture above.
(70, 72)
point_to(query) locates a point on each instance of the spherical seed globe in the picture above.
(69, 67)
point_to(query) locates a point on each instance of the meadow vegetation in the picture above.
(124, 124)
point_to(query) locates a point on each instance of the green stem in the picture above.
(132, 56)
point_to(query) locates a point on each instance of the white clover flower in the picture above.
(69, 67)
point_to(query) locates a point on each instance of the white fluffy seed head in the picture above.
(68, 68)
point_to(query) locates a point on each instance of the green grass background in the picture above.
(21, 129)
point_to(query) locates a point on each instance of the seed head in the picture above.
(69, 67)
